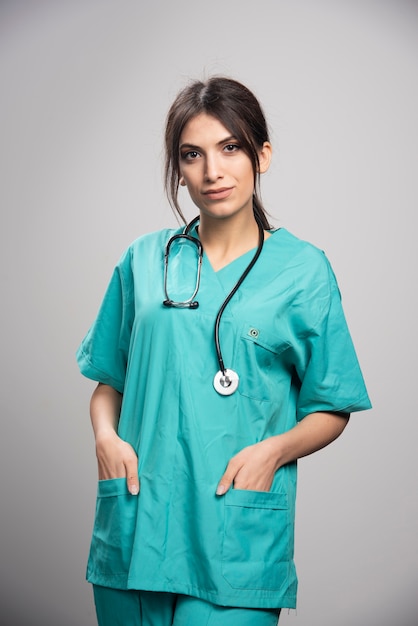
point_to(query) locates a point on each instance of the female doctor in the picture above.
(222, 356)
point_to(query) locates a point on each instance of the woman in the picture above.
(222, 357)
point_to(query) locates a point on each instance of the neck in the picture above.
(224, 240)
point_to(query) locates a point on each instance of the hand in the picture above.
(252, 468)
(117, 459)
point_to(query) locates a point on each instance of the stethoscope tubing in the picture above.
(232, 293)
(224, 377)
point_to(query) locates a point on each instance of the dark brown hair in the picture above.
(236, 107)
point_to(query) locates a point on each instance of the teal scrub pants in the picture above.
(149, 608)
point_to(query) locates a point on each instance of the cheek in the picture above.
(188, 179)
(248, 180)
(244, 172)
(188, 184)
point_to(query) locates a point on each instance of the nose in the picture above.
(213, 168)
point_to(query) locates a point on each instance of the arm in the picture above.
(254, 467)
(116, 458)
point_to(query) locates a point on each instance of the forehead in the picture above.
(204, 128)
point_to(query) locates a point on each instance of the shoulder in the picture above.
(144, 253)
(308, 276)
(155, 239)
(306, 271)
(298, 253)
(148, 244)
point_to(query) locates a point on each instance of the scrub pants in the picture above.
(115, 607)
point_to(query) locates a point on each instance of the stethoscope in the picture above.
(225, 380)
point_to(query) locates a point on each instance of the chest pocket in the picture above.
(260, 363)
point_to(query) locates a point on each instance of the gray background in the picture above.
(85, 89)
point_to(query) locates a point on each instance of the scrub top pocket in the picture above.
(255, 553)
(113, 533)
(258, 353)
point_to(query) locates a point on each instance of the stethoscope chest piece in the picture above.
(226, 383)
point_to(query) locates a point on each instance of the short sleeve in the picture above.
(328, 369)
(103, 353)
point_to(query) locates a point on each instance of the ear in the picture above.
(182, 182)
(264, 157)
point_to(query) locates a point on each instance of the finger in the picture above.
(132, 478)
(227, 479)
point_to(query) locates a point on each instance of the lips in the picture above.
(218, 194)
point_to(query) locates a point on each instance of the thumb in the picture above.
(228, 478)
(132, 477)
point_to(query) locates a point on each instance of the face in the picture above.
(215, 169)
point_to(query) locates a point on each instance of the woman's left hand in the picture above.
(252, 468)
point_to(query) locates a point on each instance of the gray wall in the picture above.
(85, 88)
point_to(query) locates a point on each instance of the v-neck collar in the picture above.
(227, 277)
(237, 261)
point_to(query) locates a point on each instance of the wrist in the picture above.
(276, 450)
(105, 433)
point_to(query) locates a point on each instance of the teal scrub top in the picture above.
(285, 334)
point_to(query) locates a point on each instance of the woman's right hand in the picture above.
(117, 459)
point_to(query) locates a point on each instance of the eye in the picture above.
(191, 155)
(231, 147)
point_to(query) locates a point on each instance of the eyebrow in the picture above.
(192, 146)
